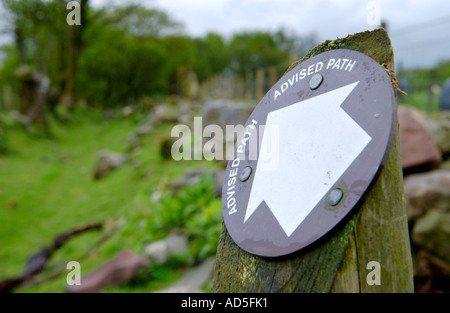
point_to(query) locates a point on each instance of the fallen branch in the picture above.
(38, 261)
(60, 268)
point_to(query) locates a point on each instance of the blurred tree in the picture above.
(297, 46)
(212, 56)
(443, 71)
(117, 69)
(128, 55)
(140, 22)
(121, 53)
(75, 44)
(49, 47)
(180, 57)
(253, 50)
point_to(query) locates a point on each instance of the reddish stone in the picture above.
(114, 273)
(417, 149)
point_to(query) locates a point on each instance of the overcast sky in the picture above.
(419, 29)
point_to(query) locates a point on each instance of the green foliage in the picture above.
(255, 50)
(122, 53)
(194, 209)
(423, 82)
(118, 70)
(46, 189)
(3, 139)
(10, 65)
(180, 59)
(212, 56)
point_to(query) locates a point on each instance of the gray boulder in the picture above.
(432, 232)
(438, 124)
(108, 161)
(193, 176)
(162, 250)
(163, 113)
(427, 191)
(193, 280)
(225, 112)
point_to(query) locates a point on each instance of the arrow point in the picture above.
(253, 203)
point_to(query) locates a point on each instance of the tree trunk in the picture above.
(75, 44)
(375, 230)
(20, 43)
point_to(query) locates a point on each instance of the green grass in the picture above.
(420, 100)
(46, 188)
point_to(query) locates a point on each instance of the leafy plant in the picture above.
(197, 211)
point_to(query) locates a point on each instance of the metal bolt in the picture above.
(315, 81)
(335, 197)
(245, 173)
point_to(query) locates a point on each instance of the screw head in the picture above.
(245, 173)
(335, 197)
(315, 81)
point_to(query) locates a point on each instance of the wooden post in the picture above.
(240, 88)
(342, 260)
(231, 87)
(259, 84)
(272, 76)
(248, 85)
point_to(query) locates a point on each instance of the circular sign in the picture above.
(308, 152)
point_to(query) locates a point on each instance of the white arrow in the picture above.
(318, 141)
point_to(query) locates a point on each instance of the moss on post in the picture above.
(376, 230)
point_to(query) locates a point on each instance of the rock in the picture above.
(224, 112)
(193, 176)
(427, 191)
(162, 250)
(184, 118)
(418, 151)
(199, 276)
(438, 124)
(127, 110)
(114, 273)
(193, 280)
(163, 113)
(108, 161)
(134, 142)
(432, 232)
(431, 274)
(144, 129)
(445, 96)
(180, 289)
